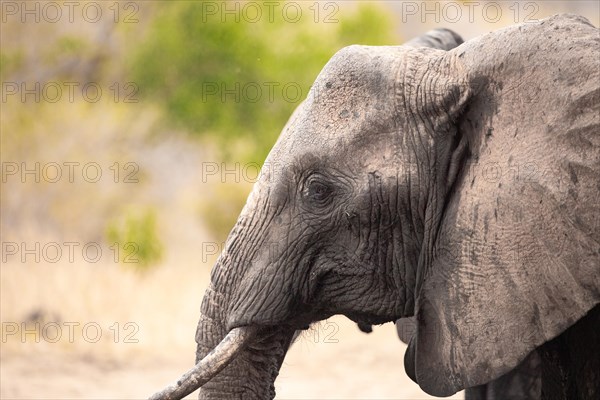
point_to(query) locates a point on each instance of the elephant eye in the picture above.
(318, 192)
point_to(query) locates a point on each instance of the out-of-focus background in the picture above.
(131, 133)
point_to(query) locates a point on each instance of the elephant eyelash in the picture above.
(317, 191)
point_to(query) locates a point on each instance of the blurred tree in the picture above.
(236, 79)
(135, 239)
(229, 79)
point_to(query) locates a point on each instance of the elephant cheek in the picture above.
(263, 299)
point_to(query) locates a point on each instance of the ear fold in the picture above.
(516, 259)
(432, 90)
(440, 38)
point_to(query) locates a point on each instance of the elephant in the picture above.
(460, 187)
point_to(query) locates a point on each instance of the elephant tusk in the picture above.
(209, 366)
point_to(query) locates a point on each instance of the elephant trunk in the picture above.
(244, 354)
(209, 366)
(251, 373)
(232, 361)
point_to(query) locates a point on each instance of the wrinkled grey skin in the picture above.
(522, 383)
(369, 206)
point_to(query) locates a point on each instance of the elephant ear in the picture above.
(440, 38)
(516, 259)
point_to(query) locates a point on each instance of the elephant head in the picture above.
(377, 203)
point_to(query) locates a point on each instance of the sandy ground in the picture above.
(357, 366)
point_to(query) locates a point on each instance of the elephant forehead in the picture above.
(351, 109)
(355, 87)
(345, 132)
(353, 97)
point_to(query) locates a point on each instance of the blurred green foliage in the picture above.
(65, 46)
(227, 79)
(239, 81)
(10, 61)
(135, 236)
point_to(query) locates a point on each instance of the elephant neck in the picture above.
(433, 98)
